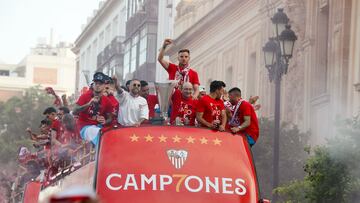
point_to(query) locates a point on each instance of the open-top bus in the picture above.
(164, 164)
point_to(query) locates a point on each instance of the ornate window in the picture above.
(143, 46)
(127, 59)
(134, 46)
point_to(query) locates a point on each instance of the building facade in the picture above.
(45, 66)
(166, 19)
(141, 39)
(322, 83)
(224, 39)
(353, 98)
(100, 47)
(131, 50)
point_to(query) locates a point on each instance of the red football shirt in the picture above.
(88, 116)
(183, 108)
(193, 76)
(57, 126)
(246, 109)
(211, 108)
(152, 100)
(115, 106)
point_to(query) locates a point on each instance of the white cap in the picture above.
(23, 151)
(202, 89)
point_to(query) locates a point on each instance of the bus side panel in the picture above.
(174, 164)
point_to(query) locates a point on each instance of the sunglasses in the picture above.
(136, 85)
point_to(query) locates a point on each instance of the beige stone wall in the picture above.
(45, 76)
(354, 61)
(320, 85)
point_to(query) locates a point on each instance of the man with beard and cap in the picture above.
(133, 108)
(182, 72)
(94, 110)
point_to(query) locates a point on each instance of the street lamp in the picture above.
(270, 52)
(280, 20)
(277, 52)
(287, 40)
(270, 49)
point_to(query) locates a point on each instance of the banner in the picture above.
(175, 164)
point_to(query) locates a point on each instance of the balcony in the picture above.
(112, 52)
(148, 13)
(117, 46)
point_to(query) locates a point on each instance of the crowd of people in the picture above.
(56, 143)
(107, 105)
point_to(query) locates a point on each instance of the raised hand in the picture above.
(253, 99)
(167, 42)
(114, 78)
(257, 107)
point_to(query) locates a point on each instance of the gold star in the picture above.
(162, 138)
(190, 140)
(176, 139)
(149, 138)
(217, 141)
(203, 140)
(134, 138)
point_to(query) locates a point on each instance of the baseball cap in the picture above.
(99, 76)
(108, 80)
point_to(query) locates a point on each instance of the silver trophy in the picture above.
(164, 91)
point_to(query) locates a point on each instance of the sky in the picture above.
(23, 22)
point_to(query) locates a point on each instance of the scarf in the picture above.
(233, 122)
(182, 75)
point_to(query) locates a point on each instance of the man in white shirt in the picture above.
(133, 109)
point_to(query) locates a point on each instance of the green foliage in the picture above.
(332, 171)
(17, 114)
(292, 154)
(328, 177)
(294, 192)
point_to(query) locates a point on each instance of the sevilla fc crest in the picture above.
(177, 157)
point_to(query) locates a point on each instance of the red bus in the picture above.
(166, 164)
